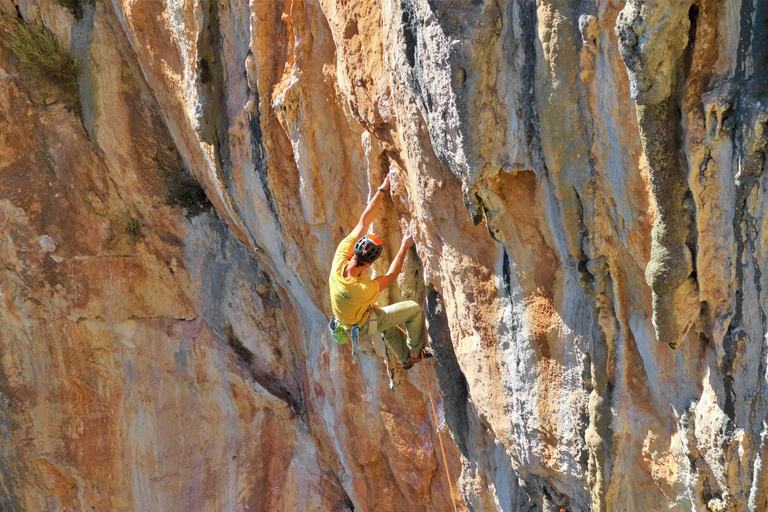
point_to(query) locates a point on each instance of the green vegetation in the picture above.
(132, 228)
(41, 56)
(187, 193)
(181, 189)
(125, 228)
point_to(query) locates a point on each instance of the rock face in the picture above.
(585, 182)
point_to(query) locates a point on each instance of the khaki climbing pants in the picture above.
(408, 315)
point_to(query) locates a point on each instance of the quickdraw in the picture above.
(341, 335)
(355, 344)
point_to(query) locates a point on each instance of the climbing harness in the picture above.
(439, 434)
(372, 327)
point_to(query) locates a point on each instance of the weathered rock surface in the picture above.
(586, 186)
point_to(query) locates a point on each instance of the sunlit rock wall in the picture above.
(584, 180)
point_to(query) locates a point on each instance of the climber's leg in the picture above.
(406, 314)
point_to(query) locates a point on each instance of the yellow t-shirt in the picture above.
(350, 296)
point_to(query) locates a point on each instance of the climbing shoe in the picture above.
(406, 365)
(422, 356)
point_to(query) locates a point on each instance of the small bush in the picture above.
(187, 193)
(181, 189)
(41, 56)
(132, 228)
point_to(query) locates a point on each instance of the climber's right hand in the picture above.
(407, 239)
(385, 185)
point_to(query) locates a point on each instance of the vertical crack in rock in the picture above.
(258, 151)
(582, 235)
(411, 26)
(408, 19)
(754, 139)
(753, 155)
(485, 461)
(493, 60)
(453, 384)
(598, 436)
(736, 112)
(655, 42)
(699, 490)
(528, 103)
(506, 274)
(760, 39)
(212, 113)
(745, 39)
(753, 124)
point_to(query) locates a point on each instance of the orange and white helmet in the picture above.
(368, 249)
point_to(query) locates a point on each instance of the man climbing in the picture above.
(354, 294)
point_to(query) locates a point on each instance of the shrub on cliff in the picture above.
(181, 189)
(132, 228)
(43, 59)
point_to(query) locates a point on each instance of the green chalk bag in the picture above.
(337, 331)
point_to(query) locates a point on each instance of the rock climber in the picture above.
(354, 294)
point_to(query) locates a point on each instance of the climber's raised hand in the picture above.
(397, 264)
(371, 210)
(407, 239)
(385, 184)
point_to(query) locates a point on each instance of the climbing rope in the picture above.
(437, 423)
(439, 434)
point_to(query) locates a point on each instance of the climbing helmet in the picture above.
(368, 249)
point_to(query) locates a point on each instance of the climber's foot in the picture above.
(420, 356)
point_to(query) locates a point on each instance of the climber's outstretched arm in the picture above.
(397, 264)
(371, 210)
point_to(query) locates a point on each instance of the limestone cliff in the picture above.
(585, 182)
